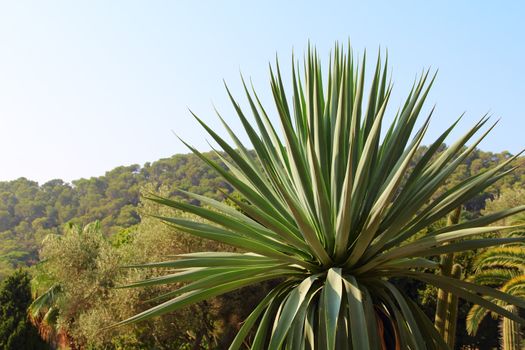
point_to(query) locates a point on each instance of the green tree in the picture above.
(29, 212)
(16, 332)
(331, 206)
(79, 271)
(77, 298)
(510, 197)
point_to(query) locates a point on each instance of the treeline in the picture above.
(78, 299)
(29, 211)
(99, 224)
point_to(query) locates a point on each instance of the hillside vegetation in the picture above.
(30, 211)
(125, 234)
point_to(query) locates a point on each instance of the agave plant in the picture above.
(330, 211)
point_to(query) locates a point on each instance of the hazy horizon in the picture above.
(88, 86)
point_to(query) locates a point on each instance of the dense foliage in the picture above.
(19, 247)
(16, 332)
(78, 300)
(29, 211)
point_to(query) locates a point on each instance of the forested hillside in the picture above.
(29, 211)
(78, 299)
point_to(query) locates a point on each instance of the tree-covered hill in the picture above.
(29, 211)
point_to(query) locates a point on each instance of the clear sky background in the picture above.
(89, 85)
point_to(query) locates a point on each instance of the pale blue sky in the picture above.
(89, 85)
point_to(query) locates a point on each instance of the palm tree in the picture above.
(504, 268)
(44, 312)
(331, 207)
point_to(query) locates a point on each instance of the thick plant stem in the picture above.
(442, 296)
(510, 331)
(452, 312)
(447, 260)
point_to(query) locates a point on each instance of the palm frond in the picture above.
(493, 277)
(508, 257)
